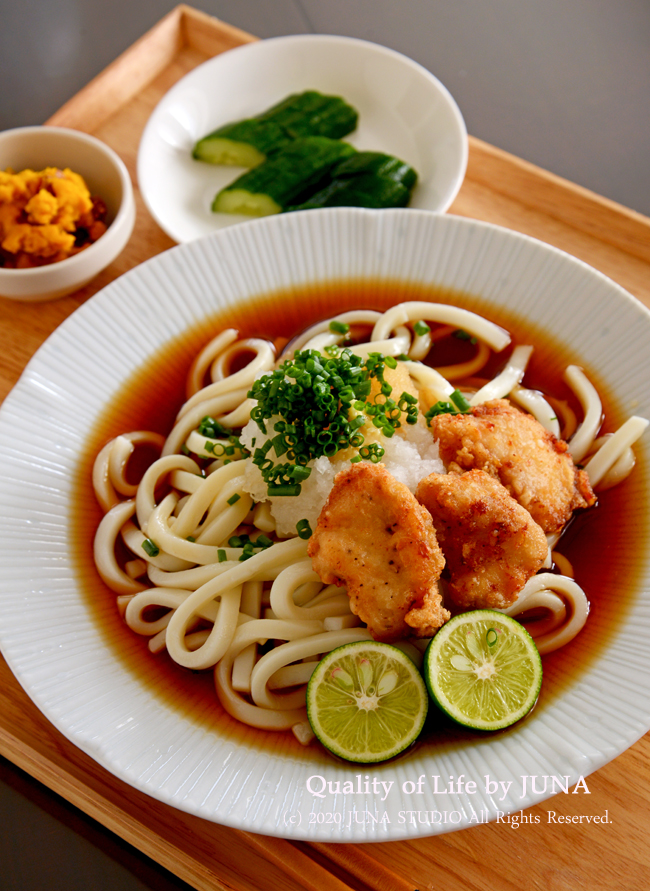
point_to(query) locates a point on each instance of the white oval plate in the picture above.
(62, 658)
(403, 110)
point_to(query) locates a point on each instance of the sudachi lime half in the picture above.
(366, 701)
(483, 669)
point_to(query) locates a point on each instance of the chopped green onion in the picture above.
(234, 498)
(221, 555)
(284, 490)
(150, 547)
(464, 335)
(458, 405)
(421, 328)
(459, 401)
(314, 396)
(338, 327)
(247, 552)
(303, 529)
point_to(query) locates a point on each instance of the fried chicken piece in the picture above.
(492, 545)
(373, 537)
(512, 446)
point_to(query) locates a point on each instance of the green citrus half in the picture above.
(483, 669)
(366, 701)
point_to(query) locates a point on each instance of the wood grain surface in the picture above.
(539, 853)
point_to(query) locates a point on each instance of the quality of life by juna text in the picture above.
(535, 784)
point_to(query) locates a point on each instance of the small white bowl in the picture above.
(105, 175)
(403, 110)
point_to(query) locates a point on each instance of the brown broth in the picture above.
(151, 398)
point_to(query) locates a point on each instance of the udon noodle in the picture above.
(212, 575)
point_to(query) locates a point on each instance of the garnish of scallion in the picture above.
(322, 401)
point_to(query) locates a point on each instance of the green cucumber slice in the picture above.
(313, 114)
(379, 164)
(364, 190)
(249, 142)
(282, 179)
(242, 144)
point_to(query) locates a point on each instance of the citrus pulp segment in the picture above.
(366, 701)
(483, 669)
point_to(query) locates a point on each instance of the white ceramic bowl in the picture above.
(403, 110)
(75, 661)
(105, 175)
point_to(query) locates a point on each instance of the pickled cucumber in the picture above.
(288, 177)
(249, 142)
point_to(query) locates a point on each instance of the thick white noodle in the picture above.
(109, 468)
(285, 586)
(227, 588)
(563, 598)
(218, 407)
(123, 448)
(592, 411)
(502, 384)
(536, 405)
(171, 598)
(185, 481)
(338, 623)
(427, 378)
(261, 631)
(135, 568)
(153, 476)
(205, 358)
(354, 317)
(160, 528)
(621, 468)
(193, 577)
(563, 564)
(135, 541)
(323, 340)
(608, 455)
(398, 345)
(289, 675)
(463, 319)
(263, 519)
(420, 347)
(207, 447)
(210, 492)
(292, 651)
(263, 361)
(242, 667)
(104, 543)
(258, 631)
(239, 416)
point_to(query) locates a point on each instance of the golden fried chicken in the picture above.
(512, 446)
(373, 537)
(492, 545)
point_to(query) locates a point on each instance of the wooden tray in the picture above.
(498, 188)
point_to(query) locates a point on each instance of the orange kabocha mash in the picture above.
(46, 216)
